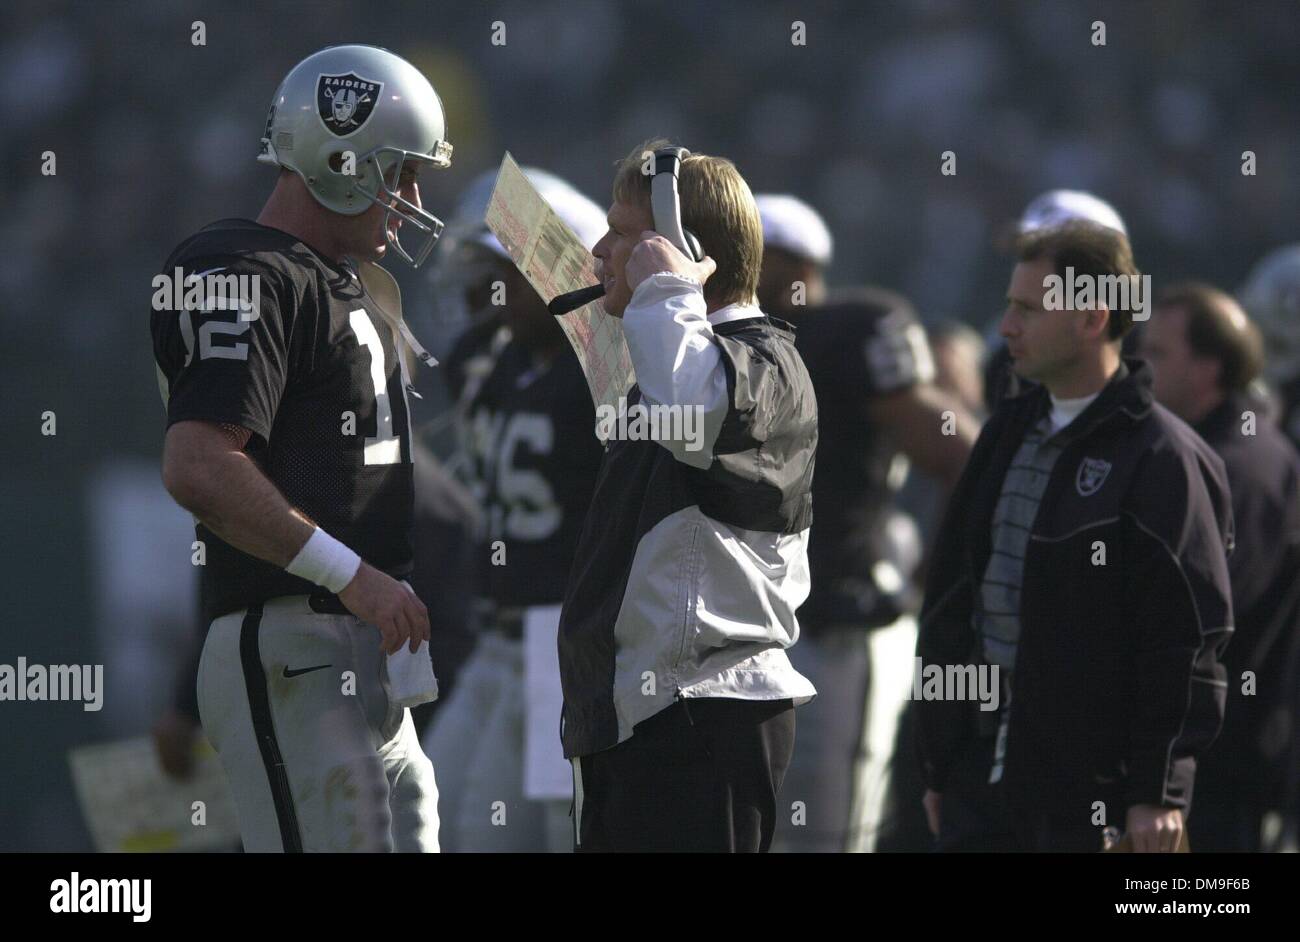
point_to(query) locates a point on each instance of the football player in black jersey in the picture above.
(873, 373)
(284, 375)
(529, 454)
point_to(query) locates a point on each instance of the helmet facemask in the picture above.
(389, 195)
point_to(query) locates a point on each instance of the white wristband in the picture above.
(325, 561)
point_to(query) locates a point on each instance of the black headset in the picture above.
(665, 204)
(666, 208)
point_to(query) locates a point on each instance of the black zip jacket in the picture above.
(1251, 760)
(1118, 686)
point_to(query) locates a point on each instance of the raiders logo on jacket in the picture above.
(315, 374)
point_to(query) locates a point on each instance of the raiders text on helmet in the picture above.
(346, 119)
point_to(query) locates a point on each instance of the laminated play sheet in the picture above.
(548, 253)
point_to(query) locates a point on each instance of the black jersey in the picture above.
(315, 373)
(472, 357)
(533, 455)
(860, 345)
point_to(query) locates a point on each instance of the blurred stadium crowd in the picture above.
(154, 137)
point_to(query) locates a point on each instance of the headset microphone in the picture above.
(562, 304)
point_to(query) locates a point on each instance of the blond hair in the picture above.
(717, 206)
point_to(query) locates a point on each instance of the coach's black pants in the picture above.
(700, 775)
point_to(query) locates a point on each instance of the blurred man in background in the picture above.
(1081, 567)
(959, 357)
(959, 353)
(529, 458)
(177, 730)
(1206, 356)
(873, 375)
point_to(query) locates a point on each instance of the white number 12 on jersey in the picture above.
(386, 446)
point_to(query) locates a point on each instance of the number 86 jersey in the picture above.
(273, 337)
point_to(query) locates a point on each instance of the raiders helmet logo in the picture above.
(345, 102)
(1091, 475)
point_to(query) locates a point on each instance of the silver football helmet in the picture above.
(1056, 207)
(346, 119)
(1271, 296)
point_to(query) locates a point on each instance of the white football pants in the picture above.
(296, 703)
(477, 739)
(833, 796)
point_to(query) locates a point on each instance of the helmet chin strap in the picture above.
(382, 288)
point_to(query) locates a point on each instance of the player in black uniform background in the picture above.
(529, 454)
(289, 440)
(877, 406)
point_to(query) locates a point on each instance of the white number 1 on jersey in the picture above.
(386, 446)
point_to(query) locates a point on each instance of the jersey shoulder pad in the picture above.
(254, 264)
(883, 334)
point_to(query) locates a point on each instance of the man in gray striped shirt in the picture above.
(997, 606)
(1083, 559)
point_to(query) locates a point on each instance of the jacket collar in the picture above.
(1218, 419)
(1125, 397)
(739, 316)
(1226, 414)
(734, 312)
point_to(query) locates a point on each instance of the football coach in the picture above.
(1084, 556)
(678, 695)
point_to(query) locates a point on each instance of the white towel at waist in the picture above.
(410, 676)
